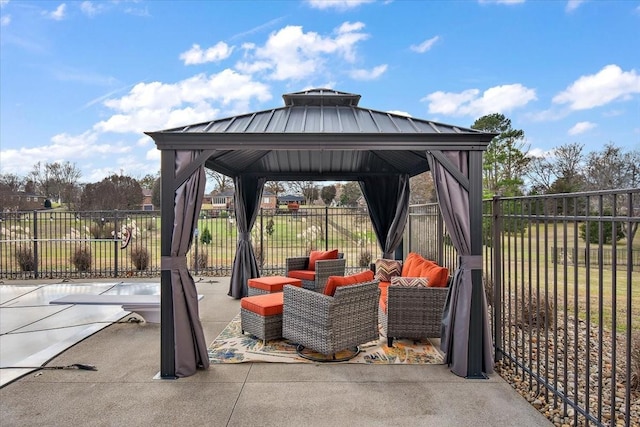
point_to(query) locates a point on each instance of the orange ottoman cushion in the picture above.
(264, 305)
(273, 283)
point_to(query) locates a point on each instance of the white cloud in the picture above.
(609, 84)
(290, 53)
(156, 105)
(581, 127)
(539, 152)
(340, 5)
(425, 45)
(3, 3)
(91, 9)
(5, 20)
(573, 5)
(59, 13)
(63, 147)
(498, 99)
(196, 55)
(372, 74)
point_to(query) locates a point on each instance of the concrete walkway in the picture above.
(123, 391)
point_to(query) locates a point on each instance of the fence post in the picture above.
(35, 245)
(326, 228)
(496, 276)
(261, 241)
(115, 243)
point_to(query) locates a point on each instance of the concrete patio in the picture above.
(123, 390)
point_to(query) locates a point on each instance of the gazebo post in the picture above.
(167, 339)
(475, 349)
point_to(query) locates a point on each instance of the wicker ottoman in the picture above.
(261, 315)
(270, 284)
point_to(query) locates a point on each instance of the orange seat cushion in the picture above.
(273, 283)
(321, 255)
(302, 274)
(264, 305)
(384, 291)
(336, 281)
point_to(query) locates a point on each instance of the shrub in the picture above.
(269, 228)
(200, 261)
(26, 261)
(365, 259)
(608, 233)
(537, 314)
(205, 238)
(82, 258)
(140, 258)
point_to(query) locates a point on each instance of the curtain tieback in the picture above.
(470, 262)
(244, 236)
(178, 262)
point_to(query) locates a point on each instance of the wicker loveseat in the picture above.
(328, 324)
(412, 299)
(314, 270)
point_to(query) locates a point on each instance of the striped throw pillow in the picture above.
(387, 268)
(410, 282)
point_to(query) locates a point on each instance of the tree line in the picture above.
(509, 169)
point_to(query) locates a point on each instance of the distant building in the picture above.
(290, 198)
(147, 203)
(11, 201)
(223, 201)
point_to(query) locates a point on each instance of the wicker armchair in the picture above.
(330, 324)
(323, 269)
(412, 312)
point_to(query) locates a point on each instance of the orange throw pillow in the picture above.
(336, 281)
(408, 263)
(438, 276)
(320, 255)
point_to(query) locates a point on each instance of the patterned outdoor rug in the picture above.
(231, 346)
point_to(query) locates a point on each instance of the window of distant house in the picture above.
(265, 200)
(28, 199)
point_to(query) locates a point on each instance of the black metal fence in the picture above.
(560, 275)
(60, 244)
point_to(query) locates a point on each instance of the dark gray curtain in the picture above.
(248, 197)
(388, 202)
(190, 346)
(453, 199)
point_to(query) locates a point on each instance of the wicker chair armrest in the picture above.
(403, 300)
(297, 263)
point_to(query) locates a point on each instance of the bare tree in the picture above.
(422, 189)
(328, 193)
(11, 181)
(308, 190)
(614, 168)
(561, 172)
(274, 187)
(114, 192)
(222, 182)
(57, 181)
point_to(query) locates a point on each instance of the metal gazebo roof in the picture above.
(320, 134)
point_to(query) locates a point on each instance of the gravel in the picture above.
(581, 350)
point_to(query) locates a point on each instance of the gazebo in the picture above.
(322, 134)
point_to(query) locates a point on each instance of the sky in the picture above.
(80, 81)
